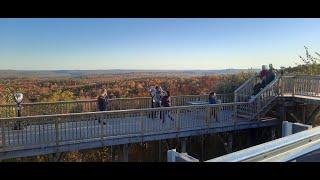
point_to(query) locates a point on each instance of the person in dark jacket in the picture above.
(156, 96)
(212, 98)
(271, 74)
(159, 93)
(257, 89)
(102, 102)
(166, 102)
(263, 76)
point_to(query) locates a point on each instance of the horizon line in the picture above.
(128, 69)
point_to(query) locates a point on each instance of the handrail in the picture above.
(264, 89)
(266, 151)
(60, 107)
(302, 76)
(245, 83)
(245, 90)
(124, 111)
(77, 127)
(114, 99)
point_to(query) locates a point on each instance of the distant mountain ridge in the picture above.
(80, 73)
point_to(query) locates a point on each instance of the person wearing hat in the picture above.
(263, 76)
(271, 74)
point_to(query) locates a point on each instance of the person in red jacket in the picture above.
(263, 76)
(166, 102)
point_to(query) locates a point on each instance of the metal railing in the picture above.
(64, 107)
(80, 127)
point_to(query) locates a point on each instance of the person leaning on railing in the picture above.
(156, 95)
(166, 102)
(212, 98)
(102, 102)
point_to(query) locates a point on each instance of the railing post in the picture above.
(171, 155)
(3, 137)
(179, 120)
(56, 127)
(208, 115)
(280, 86)
(235, 113)
(101, 125)
(294, 86)
(142, 124)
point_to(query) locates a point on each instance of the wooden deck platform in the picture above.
(84, 134)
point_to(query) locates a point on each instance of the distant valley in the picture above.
(115, 72)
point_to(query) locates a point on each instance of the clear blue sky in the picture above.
(50, 44)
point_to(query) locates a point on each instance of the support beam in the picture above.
(313, 115)
(294, 117)
(283, 113)
(184, 144)
(273, 133)
(113, 153)
(230, 143)
(202, 141)
(155, 145)
(303, 114)
(125, 153)
(160, 150)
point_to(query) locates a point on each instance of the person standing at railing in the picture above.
(166, 102)
(212, 98)
(102, 102)
(158, 96)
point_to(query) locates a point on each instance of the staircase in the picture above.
(259, 104)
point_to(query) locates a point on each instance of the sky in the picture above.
(153, 43)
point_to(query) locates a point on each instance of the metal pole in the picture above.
(19, 109)
(17, 124)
